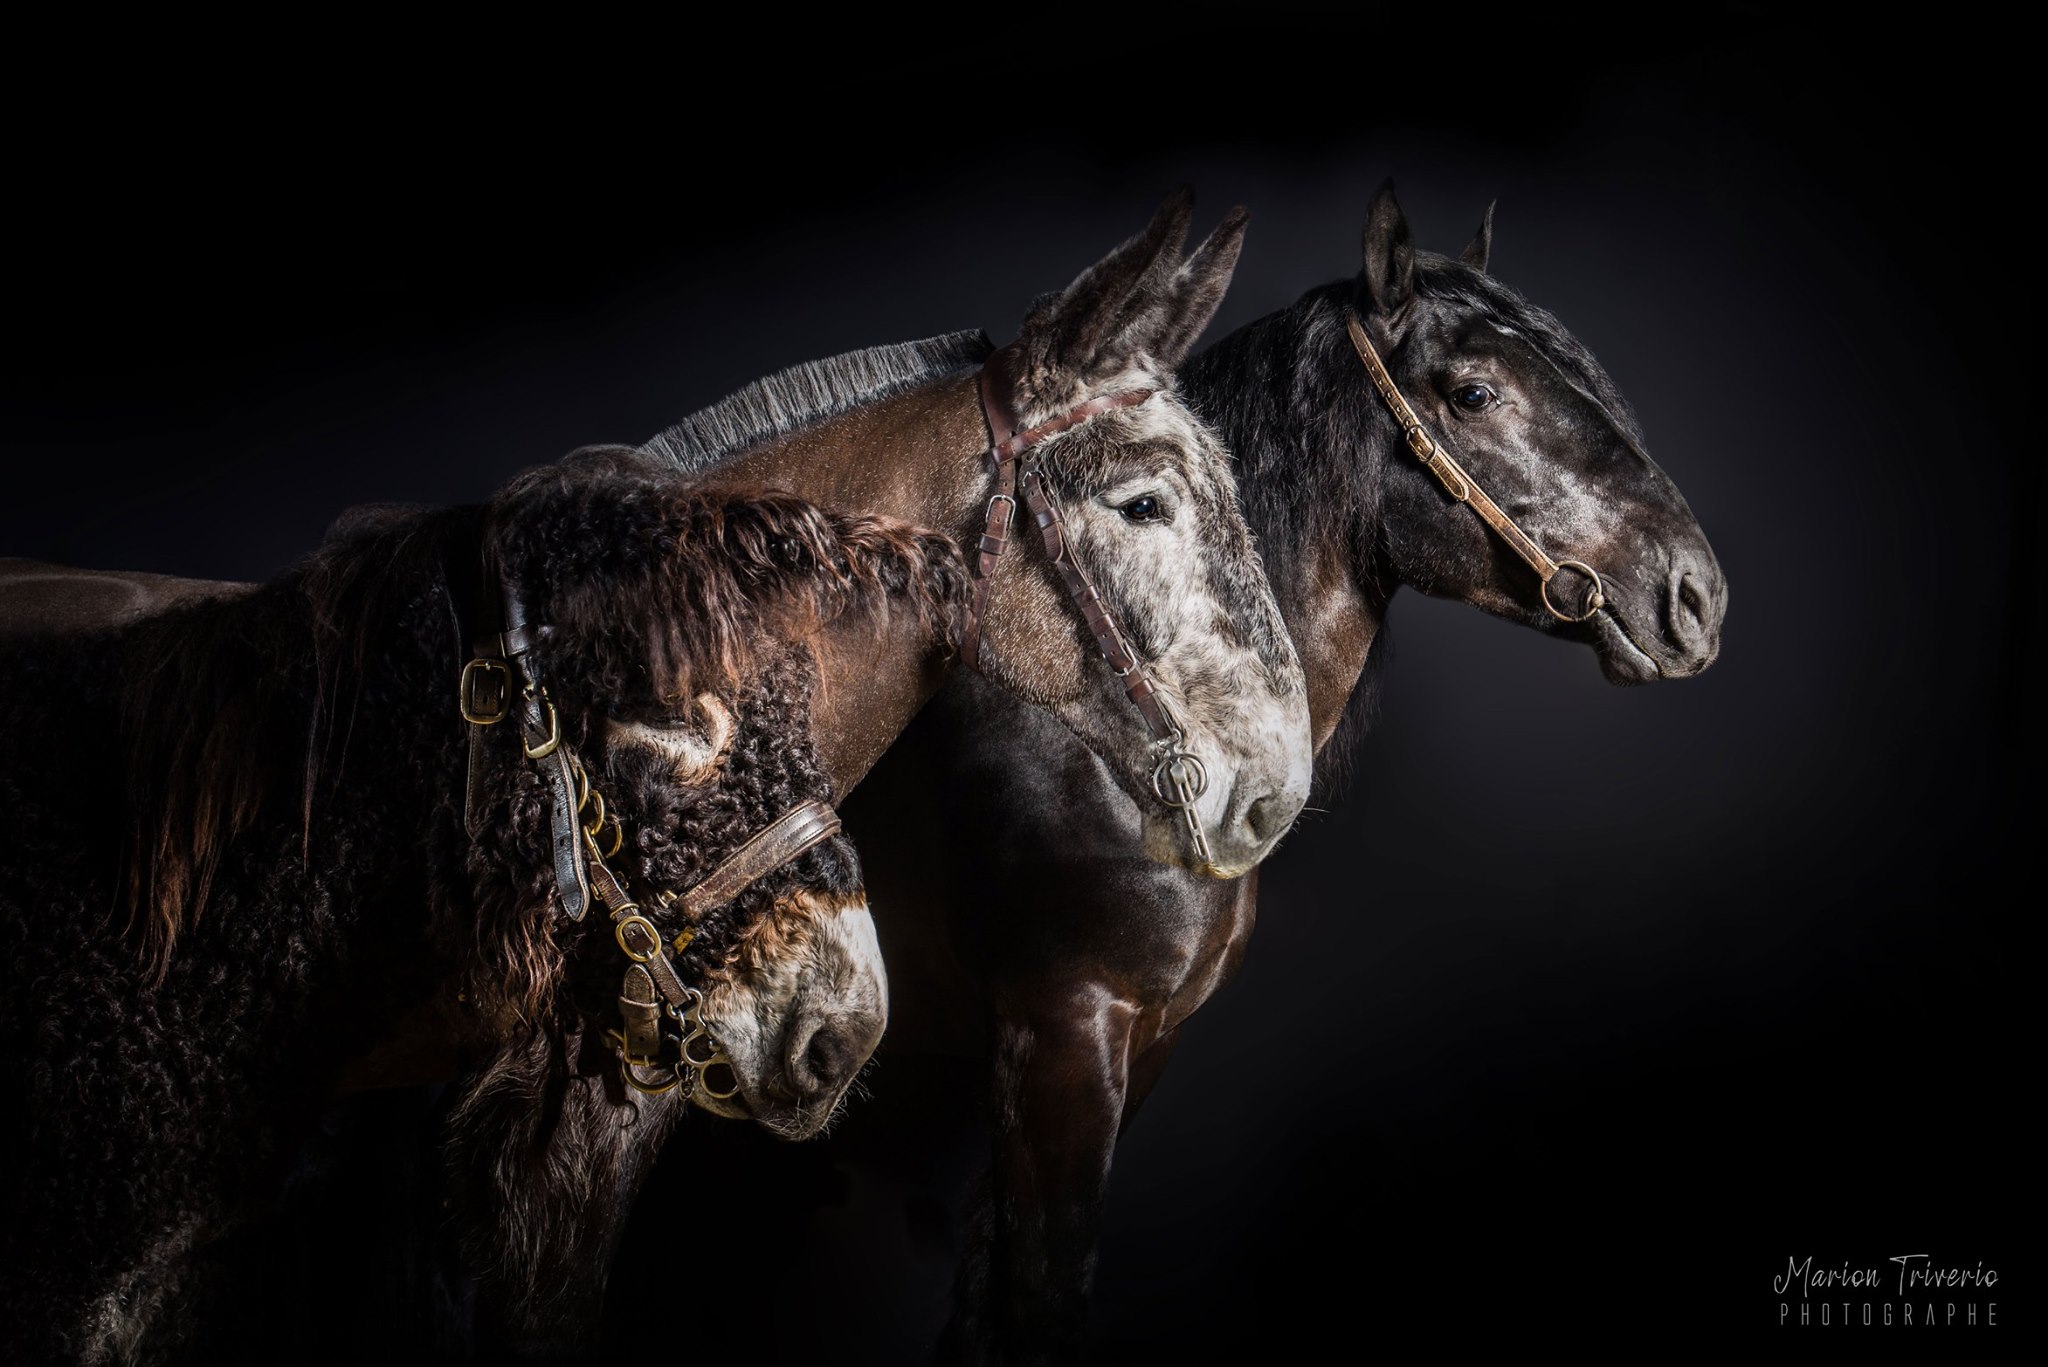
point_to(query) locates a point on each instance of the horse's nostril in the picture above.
(820, 1064)
(1271, 815)
(827, 1054)
(1693, 597)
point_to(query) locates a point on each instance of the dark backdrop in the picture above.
(1743, 984)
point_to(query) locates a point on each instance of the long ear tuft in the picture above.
(1480, 249)
(1386, 273)
(1199, 286)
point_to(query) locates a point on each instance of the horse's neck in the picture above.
(1309, 462)
(915, 456)
(1334, 621)
(872, 679)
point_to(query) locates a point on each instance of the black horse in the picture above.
(1038, 913)
(252, 861)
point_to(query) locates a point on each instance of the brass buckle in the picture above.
(548, 746)
(630, 1064)
(478, 710)
(651, 947)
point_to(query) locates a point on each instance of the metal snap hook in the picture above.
(1594, 602)
(701, 1051)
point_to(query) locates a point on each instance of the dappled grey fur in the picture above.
(1459, 284)
(1061, 907)
(791, 400)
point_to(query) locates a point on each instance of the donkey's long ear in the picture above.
(1480, 248)
(1386, 273)
(1198, 288)
(1113, 310)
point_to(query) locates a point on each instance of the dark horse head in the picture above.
(1529, 414)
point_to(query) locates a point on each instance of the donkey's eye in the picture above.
(1472, 396)
(1144, 508)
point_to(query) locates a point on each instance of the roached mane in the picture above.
(651, 592)
(802, 395)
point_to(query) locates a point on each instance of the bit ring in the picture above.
(1596, 601)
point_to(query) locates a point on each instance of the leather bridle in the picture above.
(1461, 487)
(662, 1042)
(1179, 778)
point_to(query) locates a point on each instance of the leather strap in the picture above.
(501, 680)
(1102, 623)
(1461, 486)
(640, 1013)
(1008, 443)
(788, 836)
(540, 732)
(782, 840)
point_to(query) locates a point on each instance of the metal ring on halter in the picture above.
(1187, 791)
(1593, 604)
(629, 1071)
(714, 1093)
(703, 1058)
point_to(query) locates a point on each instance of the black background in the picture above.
(1744, 982)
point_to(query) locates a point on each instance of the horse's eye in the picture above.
(1144, 508)
(1472, 396)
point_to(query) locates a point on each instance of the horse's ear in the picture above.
(1093, 327)
(1481, 246)
(1199, 287)
(1386, 272)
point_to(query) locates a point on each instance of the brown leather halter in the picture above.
(652, 992)
(1462, 489)
(1180, 778)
